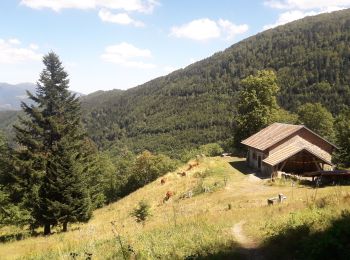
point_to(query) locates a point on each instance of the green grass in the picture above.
(198, 227)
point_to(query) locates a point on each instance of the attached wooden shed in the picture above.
(289, 148)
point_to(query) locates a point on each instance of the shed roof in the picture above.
(275, 133)
(271, 135)
(294, 146)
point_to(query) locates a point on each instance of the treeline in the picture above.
(193, 106)
(257, 107)
(54, 174)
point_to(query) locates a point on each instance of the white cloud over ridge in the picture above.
(206, 29)
(120, 18)
(298, 9)
(143, 6)
(127, 55)
(12, 53)
(307, 4)
(105, 6)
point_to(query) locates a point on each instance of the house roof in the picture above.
(294, 146)
(275, 133)
(271, 135)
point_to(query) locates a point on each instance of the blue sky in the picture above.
(107, 44)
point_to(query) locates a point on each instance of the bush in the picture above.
(142, 212)
(212, 149)
(149, 167)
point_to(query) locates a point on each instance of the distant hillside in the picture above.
(195, 105)
(12, 95)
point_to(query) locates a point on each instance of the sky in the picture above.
(119, 44)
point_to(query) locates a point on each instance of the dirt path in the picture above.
(249, 248)
(242, 239)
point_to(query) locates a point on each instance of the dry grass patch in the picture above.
(181, 227)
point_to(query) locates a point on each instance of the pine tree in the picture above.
(50, 156)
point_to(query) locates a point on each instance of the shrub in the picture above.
(212, 149)
(142, 212)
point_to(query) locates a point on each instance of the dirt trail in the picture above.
(242, 239)
(249, 248)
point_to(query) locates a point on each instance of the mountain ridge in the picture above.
(194, 105)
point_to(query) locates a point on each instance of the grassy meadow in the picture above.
(203, 226)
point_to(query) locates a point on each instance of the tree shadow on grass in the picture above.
(222, 252)
(302, 243)
(17, 236)
(298, 242)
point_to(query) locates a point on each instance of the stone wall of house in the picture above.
(253, 159)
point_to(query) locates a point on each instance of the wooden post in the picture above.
(317, 165)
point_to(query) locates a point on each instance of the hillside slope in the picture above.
(12, 95)
(226, 218)
(195, 105)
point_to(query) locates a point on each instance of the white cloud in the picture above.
(33, 46)
(12, 53)
(232, 29)
(287, 17)
(124, 54)
(120, 18)
(144, 6)
(307, 4)
(201, 29)
(206, 29)
(293, 15)
(298, 9)
(14, 41)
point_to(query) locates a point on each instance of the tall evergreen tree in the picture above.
(50, 155)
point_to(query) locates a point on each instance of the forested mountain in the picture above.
(195, 105)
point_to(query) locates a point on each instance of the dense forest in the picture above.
(196, 105)
(70, 155)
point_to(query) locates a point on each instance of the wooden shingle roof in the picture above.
(294, 146)
(271, 135)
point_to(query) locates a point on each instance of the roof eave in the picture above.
(298, 151)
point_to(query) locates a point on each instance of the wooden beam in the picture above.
(317, 164)
(283, 164)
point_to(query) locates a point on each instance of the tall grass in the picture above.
(196, 227)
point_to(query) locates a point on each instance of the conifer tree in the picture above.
(49, 158)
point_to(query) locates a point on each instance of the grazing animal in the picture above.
(168, 195)
(162, 181)
(182, 174)
(191, 166)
